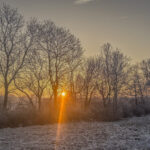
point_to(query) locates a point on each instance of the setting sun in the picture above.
(63, 94)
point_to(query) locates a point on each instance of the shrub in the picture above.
(71, 113)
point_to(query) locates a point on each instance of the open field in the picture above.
(128, 134)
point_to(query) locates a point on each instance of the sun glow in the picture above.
(63, 94)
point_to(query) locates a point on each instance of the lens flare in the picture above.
(60, 118)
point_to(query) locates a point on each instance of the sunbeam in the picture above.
(60, 117)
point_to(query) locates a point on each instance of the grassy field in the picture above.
(127, 134)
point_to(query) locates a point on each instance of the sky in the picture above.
(123, 23)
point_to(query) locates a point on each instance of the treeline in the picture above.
(39, 59)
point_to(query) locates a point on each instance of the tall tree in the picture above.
(119, 74)
(34, 78)
(145, 66)
(104, 70)
(113, 73)
(89, 80)
(14, 45)
(74, 66)
(59, 45)
(137, 83)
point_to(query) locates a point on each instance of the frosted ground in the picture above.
(128, 134)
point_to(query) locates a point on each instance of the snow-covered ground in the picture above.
(129, 134)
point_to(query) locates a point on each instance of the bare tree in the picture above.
(89, 80)
(104, 70)
(74, 65)
(79, 85)
(145, 66)
(120, 64)
(61, 48)
(14, 45)
(137, 83)
(112, 74)
(34, 79)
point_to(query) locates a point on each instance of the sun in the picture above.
(63, 94)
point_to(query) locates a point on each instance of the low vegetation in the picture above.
(71, 113)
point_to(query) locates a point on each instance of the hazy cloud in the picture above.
(82, 1)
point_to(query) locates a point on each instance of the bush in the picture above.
(138, 111)
(127, 110)
(74, 112)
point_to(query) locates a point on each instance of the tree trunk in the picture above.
(31, 102)
(115, 103)
(136, 100)
(55, 96)
(104, 102)
(135, 95)
(85, 103)
(5, 98)
(39, 102)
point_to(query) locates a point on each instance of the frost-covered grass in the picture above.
(128, 134)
